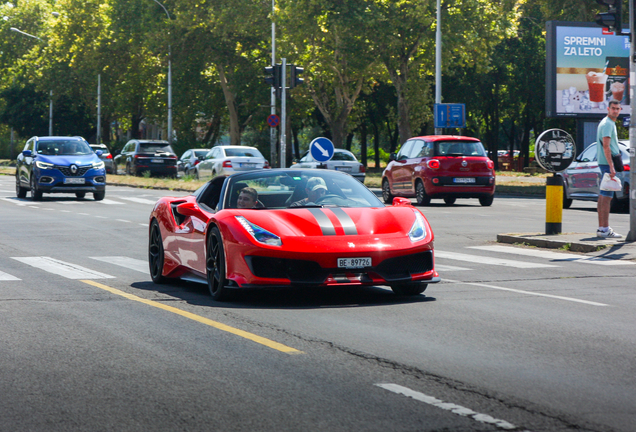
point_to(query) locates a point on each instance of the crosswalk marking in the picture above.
(110, 202)
(477, 259)
(555, 256)
(61, 268)
(122, 261)
(440, 267)
(139, 200)
(7, 277)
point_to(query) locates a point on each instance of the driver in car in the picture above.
(316, 188)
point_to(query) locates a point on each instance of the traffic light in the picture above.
(612, 18)
(294, 80)
(273, 77)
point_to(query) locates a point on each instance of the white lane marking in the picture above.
(7, 277)
(61, 268)
(454, 408)
(449, 268)
(478, 259)
(20, 202)
(139, 200)
(587, 302)
(110, 202)
(122, 261)
(123, 220)
(555, 256)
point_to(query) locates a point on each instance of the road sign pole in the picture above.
(283, 114)
(631, 236)
(272, 132)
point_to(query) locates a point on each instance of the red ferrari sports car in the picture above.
(290, 228)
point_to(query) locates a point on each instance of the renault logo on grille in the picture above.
(464, 164)
(74, 169)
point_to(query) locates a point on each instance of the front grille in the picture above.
(67, 171)
(297, 271)
(309, 272)
(405, 266)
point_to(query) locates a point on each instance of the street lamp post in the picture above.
(169, 80)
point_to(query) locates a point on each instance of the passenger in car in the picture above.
(248, 198)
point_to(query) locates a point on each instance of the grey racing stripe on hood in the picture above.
(345, 221)
(323, 221)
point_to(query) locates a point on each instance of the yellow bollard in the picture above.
(553, 204)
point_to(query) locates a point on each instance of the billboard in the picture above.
(586, 67)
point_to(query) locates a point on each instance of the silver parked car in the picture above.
(581, 180)
(342, 160)
(226, 160)
(189, 159)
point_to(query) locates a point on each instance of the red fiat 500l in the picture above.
(440, 166)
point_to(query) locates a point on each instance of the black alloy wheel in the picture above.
(215, 266)
(36, 194)
(486, 201)
(420, 194)
(409, 289)
(386, 192)
(20, 191)
(155, 253)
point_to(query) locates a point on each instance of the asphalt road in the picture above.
(513, 338)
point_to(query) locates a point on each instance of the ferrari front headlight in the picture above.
(418, 230)
(260, 235)
(44, 165)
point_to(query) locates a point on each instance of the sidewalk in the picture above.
(575, 242)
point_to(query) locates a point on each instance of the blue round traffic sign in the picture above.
(321, 149)
(273, 120)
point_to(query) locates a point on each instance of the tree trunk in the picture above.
(230, 101)
(363, 144)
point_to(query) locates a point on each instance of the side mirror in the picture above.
(401, 202)
(392, 157)
(99, 153)
(26, 153)
(188, 209)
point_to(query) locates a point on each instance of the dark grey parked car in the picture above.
(582, 179)
(106, 156)
(153, 156)
(189, 159)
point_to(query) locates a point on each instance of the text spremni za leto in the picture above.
(584, 46)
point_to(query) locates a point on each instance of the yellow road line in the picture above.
(247, 335)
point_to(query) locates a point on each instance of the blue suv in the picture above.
(59, 165)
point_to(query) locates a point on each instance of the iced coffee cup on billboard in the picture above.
(596, 84)
(617, 89)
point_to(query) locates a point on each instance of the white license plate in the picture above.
(74, 180)
(156, 160)
(343, 168)
(464, 180)
(247, 165)
(354, 262)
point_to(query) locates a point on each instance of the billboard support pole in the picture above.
(631, 236)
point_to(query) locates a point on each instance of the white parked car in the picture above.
(226, 160)
(342, 160)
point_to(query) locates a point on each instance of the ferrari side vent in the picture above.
(297, 271)
(404, 266)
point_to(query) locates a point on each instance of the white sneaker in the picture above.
(608, 234)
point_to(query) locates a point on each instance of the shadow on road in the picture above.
(306, 298)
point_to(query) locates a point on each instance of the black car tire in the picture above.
(155, 253)
(409, 289)
(450, 200)
(215, 266)
(80, 194)
(420, 194)
(128, 170)
(567, 202)
(20, 191)
(36, 194)
(98, 196)
(386, 192)
(486, 201)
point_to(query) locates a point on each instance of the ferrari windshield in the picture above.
(278, 189)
